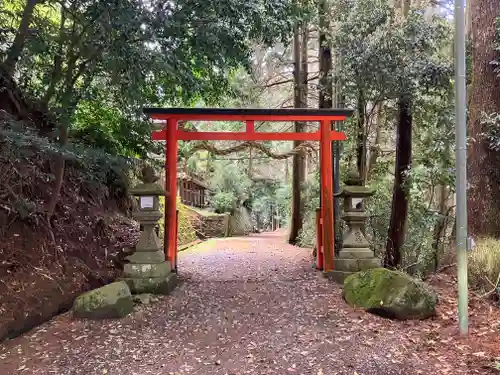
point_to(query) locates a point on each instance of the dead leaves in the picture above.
(251, 307)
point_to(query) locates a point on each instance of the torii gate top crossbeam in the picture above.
(248, 115)
(242, 114)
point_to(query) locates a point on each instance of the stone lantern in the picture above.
(147, 270)
(355, 254)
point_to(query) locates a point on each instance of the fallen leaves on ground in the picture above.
(253, 305)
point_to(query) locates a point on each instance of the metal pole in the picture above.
(461, 165)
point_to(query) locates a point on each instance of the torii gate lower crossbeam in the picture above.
(171, 134)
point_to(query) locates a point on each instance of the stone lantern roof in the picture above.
(149, 185)
(353, 187)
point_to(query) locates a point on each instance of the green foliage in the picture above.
(150, 51)
(383, 55)
(224, 202)
(121, 135)
(97, 63)
(269, 199)
(432, 166)
(228, 177)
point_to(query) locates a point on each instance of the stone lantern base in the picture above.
(148, 272)
(153, 278)
(352, 260)
(356, 254)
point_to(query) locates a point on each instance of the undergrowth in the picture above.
(484, 266)
(26, 164)
(185, 231)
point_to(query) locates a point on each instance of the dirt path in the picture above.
(247, 306)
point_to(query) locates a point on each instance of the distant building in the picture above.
(191, 187)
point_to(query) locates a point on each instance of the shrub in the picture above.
(224, 202)
(484, 265)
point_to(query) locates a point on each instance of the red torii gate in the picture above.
(325, 235)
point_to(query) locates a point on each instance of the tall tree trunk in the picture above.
(468, 20)
(325, 61)
(16, 48)
(338, 102)
(304, 70)
(297, 161)
(440, 227)
(250, 162)
(56, 74)
(67, 110)
(483, 163)
(400, 196)
(405, 7)
(375, 149)
(361, 137)
(304, 95)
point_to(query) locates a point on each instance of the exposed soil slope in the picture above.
(44, 266)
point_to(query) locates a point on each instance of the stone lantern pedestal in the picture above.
(147, 270)
(355, 254)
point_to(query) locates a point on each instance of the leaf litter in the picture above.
(253, 305)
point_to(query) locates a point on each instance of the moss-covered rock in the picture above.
(390, 294)
(110, 301)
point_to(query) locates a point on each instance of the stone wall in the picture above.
(240, 222)
(214, 225)
(211, 225)
(208, 225)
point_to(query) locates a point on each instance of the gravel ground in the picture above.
(248, 305)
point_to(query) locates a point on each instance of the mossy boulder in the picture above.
(110, 301)
(391, 294)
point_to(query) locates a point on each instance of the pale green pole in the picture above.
(461, 165)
